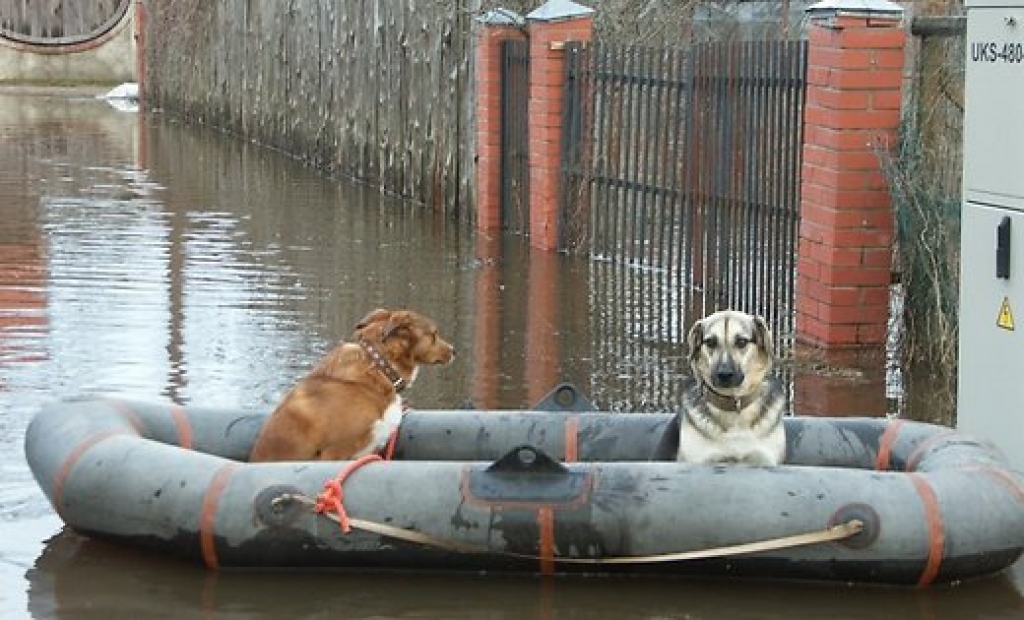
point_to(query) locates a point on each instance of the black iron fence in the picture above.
(515, 172)
(685, 164)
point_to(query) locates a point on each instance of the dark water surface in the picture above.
(146, 259)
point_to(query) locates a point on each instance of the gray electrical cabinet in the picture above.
(990, 402)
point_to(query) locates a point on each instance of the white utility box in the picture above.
(990, 401)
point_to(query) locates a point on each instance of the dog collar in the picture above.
(397, 381)
(728, 403)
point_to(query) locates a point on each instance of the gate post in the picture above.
(550, 26)
(844, 261)
(495, 27)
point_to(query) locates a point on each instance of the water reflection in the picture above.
(75, 576)
(200, 268)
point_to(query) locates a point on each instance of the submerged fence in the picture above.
(686, 164)
(515, 136)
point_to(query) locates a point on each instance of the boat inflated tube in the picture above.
(536, 491)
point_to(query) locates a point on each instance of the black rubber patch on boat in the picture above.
(866, 515)
(564, 397)
(528, 474)
(278, 506)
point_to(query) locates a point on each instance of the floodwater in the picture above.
(144, 258)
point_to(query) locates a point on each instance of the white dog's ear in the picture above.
(694, 338)
(764, 335)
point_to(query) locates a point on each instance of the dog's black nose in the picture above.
(728, 378)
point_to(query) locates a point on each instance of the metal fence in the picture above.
(685, 166)
(515, 171)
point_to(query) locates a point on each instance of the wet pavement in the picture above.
(144, 258)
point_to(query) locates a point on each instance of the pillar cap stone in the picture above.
(558, 10)
(869, 8)
(501, 17)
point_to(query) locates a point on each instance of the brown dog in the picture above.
(349, 404)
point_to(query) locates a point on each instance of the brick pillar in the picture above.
(840, 383)
(550, 26)
(494, 28)
(854, 75)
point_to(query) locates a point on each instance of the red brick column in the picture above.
(854, 75)
(493, 28)
(550, 26)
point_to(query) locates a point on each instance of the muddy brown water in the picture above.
(145, 258)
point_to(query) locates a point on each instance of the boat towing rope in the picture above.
(834, 533)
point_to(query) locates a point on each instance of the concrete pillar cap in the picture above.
(501, 17)
(876, 8)
(557, 10)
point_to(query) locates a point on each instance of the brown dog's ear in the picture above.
(397, 320)
(763, 335)
(694, 338)
(390, 328)
(373, 317)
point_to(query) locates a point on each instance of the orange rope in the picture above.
(332, 498)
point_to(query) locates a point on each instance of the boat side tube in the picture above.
(528, 490)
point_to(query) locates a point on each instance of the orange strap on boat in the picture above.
(885, 442)
(332, 498)
(389, 449)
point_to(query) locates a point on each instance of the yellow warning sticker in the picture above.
(1005, 319)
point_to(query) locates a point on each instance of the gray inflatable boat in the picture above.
(858, 499)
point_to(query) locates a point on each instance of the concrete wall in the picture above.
(110, 59)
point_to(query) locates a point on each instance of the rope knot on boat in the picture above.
(332, 498)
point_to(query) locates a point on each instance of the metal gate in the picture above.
(686, 165)
(515, 174)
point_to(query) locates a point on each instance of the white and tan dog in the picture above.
(349, 404)
(733, 410)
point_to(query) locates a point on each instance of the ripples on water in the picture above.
(145, 290)
(168, 261)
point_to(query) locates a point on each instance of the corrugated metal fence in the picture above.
(685, 165)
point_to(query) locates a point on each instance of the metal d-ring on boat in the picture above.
(858, 500)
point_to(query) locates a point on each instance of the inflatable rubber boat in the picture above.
(564, 491)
